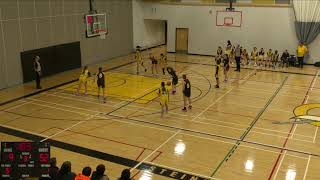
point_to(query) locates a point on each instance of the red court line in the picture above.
(107, 139)
(289, 133)
(140, 154)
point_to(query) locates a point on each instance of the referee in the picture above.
(37, 70)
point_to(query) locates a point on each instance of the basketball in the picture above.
(168, 83)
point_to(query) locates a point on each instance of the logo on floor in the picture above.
(302, 115)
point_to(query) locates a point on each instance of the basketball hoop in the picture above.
(102, 34)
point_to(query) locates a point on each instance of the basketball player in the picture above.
(101, 84)
(163, 63)
(245, 57)
(260, 57)
(174, 77)
(186, 90)
(269, 58)
(254, 55)
(154, 63)
(219, 51)
(218, 62)
(37, 70)
(83, 80)
(226, 66)
(275, 59)
(138, 57)
(164, 98)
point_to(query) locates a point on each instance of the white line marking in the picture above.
(307, 167)
(295, 127)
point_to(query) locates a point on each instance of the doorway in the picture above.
(182, 40)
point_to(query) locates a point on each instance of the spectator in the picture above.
(65, 172)
(86, 172)
(99, 173)
(301, 51)
(125, 175)
(53, 170)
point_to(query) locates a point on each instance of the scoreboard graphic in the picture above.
(24, 159)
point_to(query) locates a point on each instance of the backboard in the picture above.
(229, 18)
(96, 25)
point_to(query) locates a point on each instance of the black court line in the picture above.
(156, 169)
(255, 120)
(56, 86)
(205, 64)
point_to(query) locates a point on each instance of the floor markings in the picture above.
(293, 127)
(232, 150)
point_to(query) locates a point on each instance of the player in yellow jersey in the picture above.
(139, 59)
(254, 56)
(269, 58)
(164, 98)
(163, 63)
(83, 80)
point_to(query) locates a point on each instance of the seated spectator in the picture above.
(284, 58)
(65, 172)
(53, 170)
(125, 175)
(99, 173)
(86, 172)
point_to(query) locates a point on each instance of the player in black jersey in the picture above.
(174, 77)
(186, 90)
(101, 84)
(154, 63)
(218, 61)
(226, 66)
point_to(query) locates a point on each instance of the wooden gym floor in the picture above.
(229, 133)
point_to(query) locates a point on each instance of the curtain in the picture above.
(307, 19)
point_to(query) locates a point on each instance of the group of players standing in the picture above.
(163, 91)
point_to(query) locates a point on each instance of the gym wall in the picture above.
(33, 24)
(147, 32)
(267, 27)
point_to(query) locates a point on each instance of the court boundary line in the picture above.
(158, 124)
(172, 127)
(85, 151)
(56, 86)
(293, 127)
(205, 64)
(183, 115)
(255, 120)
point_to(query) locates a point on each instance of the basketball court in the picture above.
(260, 124)
(230, 132)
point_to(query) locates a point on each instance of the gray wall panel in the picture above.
(45, 23)
(44, 31)
(9, 9)
(29, 36)
(26, 9)
(42, 8)
(12, 43)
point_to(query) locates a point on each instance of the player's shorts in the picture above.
(260, 58)
(154, 62)
(164, 100)
(187, 93)
(175, 80)
(83, 79)
(101, 84)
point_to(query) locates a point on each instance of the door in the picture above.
(182, 40)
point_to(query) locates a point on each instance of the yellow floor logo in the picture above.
(301, 115)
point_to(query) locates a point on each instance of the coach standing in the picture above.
(301, 51)
(37, 70)
(238, 57)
